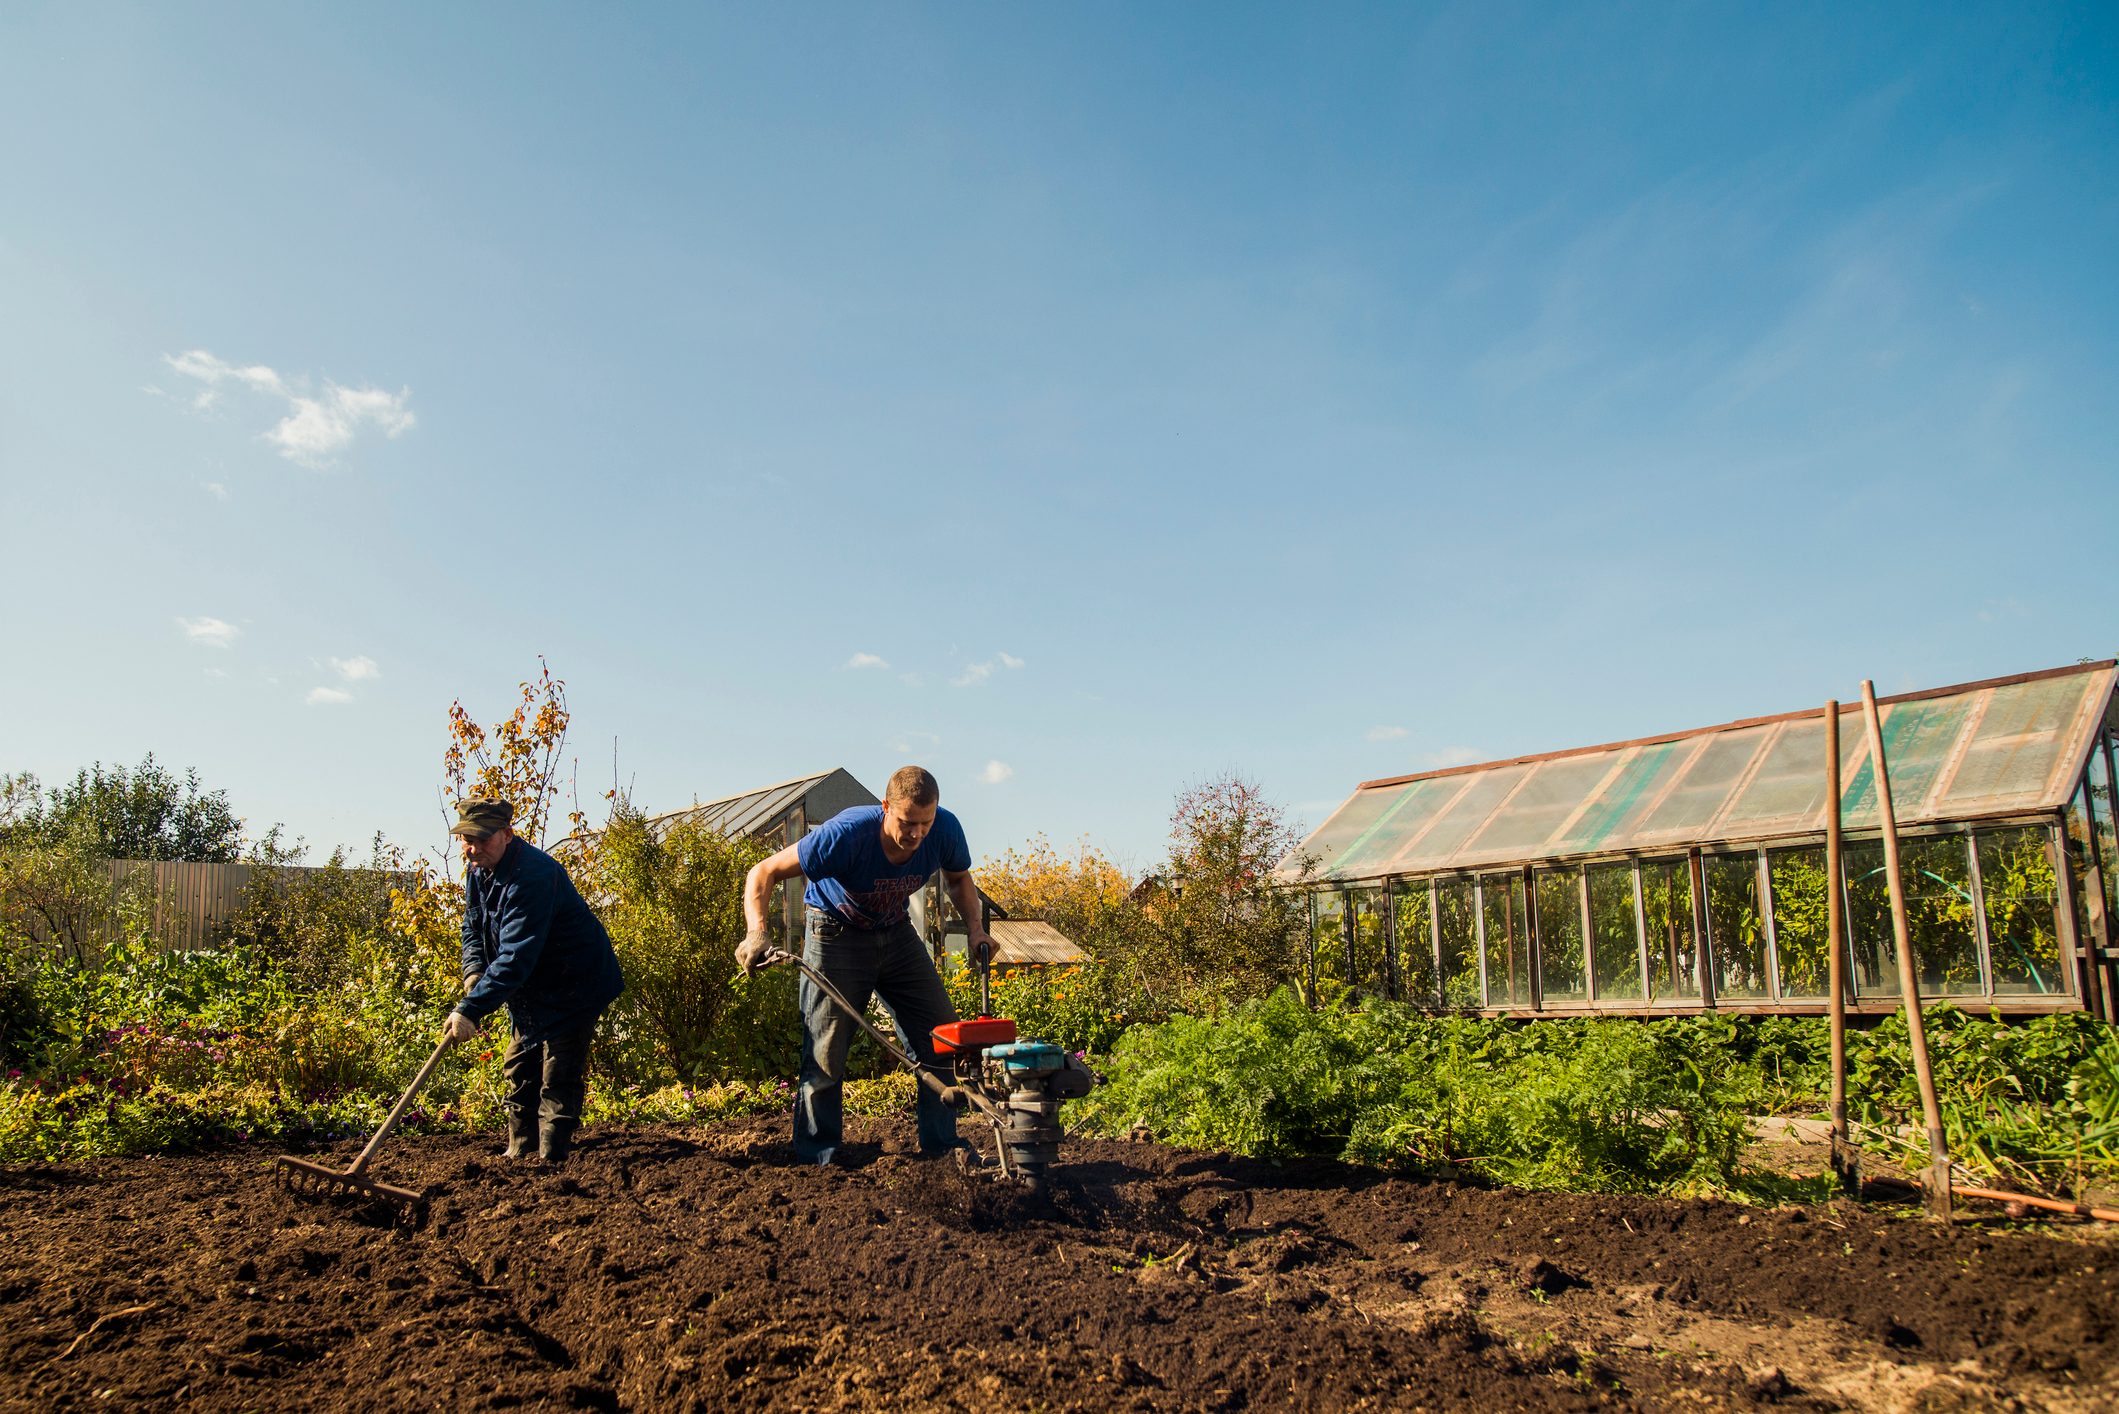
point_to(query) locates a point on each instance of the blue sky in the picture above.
(1081, 400)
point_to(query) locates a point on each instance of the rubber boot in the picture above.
(555, 1140)
(522, 1135)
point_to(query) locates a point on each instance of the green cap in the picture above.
(482, 816)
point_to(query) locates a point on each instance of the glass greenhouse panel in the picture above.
(1552, 795)
(1365, 843)
(1462, 819)
(2080, 849)
(1736, 927)
(1328, 933)
(1789, 784)
(1802, 896)
(2100, 781)
(1562, 976)
(1352, 825)
(1704, 789)
(1507, 940)
(1460, 942)
(1939, 912)
(2022, 900)
(1918, 737)
(1869, 939)
(1673, 955)
(1416, 940)
(2018, 743)
(1614, 933)
(1368, 964)
(1613, 817)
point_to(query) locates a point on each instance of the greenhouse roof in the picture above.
(738, 815)
(2005, 746)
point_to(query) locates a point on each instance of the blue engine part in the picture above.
(1024, 1058)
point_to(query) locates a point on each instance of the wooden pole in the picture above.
(1846, 1159)
(1938, 1177)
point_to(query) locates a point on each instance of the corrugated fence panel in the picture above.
(190, 900)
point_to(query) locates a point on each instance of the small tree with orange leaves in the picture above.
(516, 760)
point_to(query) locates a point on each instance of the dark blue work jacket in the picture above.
(538, 946)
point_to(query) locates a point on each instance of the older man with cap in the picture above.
(530, 942)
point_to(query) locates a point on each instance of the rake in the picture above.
(304, 1176)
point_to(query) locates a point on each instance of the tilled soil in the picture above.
(678, 1269)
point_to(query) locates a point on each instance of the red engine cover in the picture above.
(973, 1035)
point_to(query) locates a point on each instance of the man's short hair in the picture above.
(912, 785)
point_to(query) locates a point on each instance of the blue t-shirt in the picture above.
(850, 877)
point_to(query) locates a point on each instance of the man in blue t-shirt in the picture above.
(863, 865)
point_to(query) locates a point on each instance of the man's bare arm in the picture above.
(758, 886)
(966, 894)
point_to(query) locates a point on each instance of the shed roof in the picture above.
(1018, 941)
(2003, 746)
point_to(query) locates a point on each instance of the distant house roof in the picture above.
(2004, 746)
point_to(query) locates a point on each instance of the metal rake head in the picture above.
(301, 1176)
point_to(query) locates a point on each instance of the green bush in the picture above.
(673, 903)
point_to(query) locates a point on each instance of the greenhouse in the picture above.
(1686, 872)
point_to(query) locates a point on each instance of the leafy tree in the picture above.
(1219, 929)
(673, 902)
(113, 813)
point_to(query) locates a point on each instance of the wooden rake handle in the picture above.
(397, 1112)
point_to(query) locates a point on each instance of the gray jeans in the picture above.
(891, 964)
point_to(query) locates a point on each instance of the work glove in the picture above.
(459, 1027)
(750, 953)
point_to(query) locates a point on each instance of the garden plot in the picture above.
(676, 1268)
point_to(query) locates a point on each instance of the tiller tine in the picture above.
(302, 1176)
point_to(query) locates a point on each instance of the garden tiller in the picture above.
(303, 1175)
(1016, 1086)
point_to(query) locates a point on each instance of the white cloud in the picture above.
(904, 743)
(318, 430)
(315, 429)
(1452, 756)
(216, 490)
(213, 633)
(996, 772)
(323, 696)
(354, 669)
(1386, 733)
(976, 673)
(864, 660)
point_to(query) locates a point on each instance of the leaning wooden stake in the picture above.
(1938, 1175)
(1846, 1159)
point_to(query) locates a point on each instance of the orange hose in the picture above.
(2051, 1205)
(2055, 1205)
